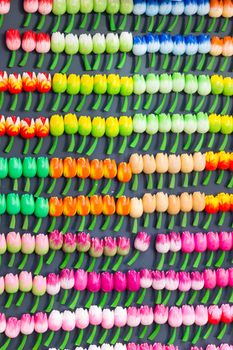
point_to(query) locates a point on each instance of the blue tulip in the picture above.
(152, 7)
(166, 43)
(177, 7)
(204, 43)
(191, 45)
(203, 7)
(165, 7)
(153, 43)
(139, 45)
(190, 7)
(139, 7)
(178, 45)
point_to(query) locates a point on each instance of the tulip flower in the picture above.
(28, 45)
(13, 43)
(42, 46)
(56, 126)
(43, 86)
(141, 244)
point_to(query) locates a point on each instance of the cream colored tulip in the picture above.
(186, 202)
(199, 161)
(149, 165)
(174, 164)
(161, 161)
(198, 201)
(161, 202)
(136, 208)
(149, 203)
(136, 163)
(186, 163)
(173, 204)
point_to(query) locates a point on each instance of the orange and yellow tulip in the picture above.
(83, 205)
(124, 172)
(109, 206)
(55, 206)
(83, 168)
(56, 168)
(211, 161)
(110, 168)
(224, 160)
(96, 205)
(69, 167)
(97, 169)
(224, 201)
(211, 204)
(69, 206)
(123, 206)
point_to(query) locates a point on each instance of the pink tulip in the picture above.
(197, 280)
(29, 41)
(175, 242)
(69, 243)
(11, 283)
(214, 314)
(81, 318)
(12, 327)
(172, 280)
(93, 282)
(160, 314)
(188, 315)
(97, 247)
(133, 280)
(159, 281)
(201, 315)
(120, 316)
(2, 285)
(230, 276)
(188, 244)
(145, 278)
(42, 244)
(28, 243)
(68, 320)
(212, 347)
(225, 240)
(83, 242)
(227, 313)
(39, 285)
(30, 6)
(222, 277)
(13, 241)
(145, 346)
(175, 317)
(142, 241)
(4, 6)
(41, 322)
(159, 346)
(120, 282)
(67, 279)
(27, 325)
(209, 278)
(123, 246)
(2, 323)
(13, 40)
(200, 242)
(55, 321)
(80, 279)
(3, 244)
(53, 284)
(162, 243)
(133, 346)
(108, 319)
(107, 282)
(225, 347)
(55, 240)
(184, 281)
(25, 281)
(110, 246)
(45, 6)
(212, 241)
(133, 317)
(95, 315)
(147, 316)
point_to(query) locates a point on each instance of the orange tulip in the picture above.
(123, 206)
(97, 169)
(216, 8)
(83, 168)
(124, 172)
(109, 206)
(110, 168)
(56, 168)
(96, 204)
(2, 125)
(211, 161)
(69, 206)
(224, 201)
(55, 206)
(216, 46)
(70, 168)
(211, 204)
(83, 205)
(224, 160)
(231, 201)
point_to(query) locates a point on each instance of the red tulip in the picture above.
(3, 81)
(12, 126)
(4, 6)
(29, 81)
(45, 6)
(13, 40)
(29, 41)
(2, 125)
(42, 43)
(27, 128)
(42, 126)
(30, 6)
(15, 84)
(43, 82)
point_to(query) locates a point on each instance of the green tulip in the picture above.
(190, 123)
(139, 84)
(99, 43)
(85, 126)
(59, 7)
(27, 204)
(56, 125)
(139, 123)
(3, 168)
(73, 84)
(191, 84)
(126, 86)
(113, 6)
(2, 204)
(13, 204)
(57, 42)
(125, 126)
(126, 7)
(86, 84)
(59, 83)
(100, 6)
(164, 122)
(228, 86)
(112, 43)
(202, 123)
(85, 44)
(98, 127)
(41, 207)
(217, 84)
(152, 83)
(152, 124)
(70, 124)
(72, 44)
(15, 168)
(204, 85)
(165, 83)
(42, 164)
(29, 167)
(86, 6)
(100, 84)
(112, 127)
(215, 123)
(177, 123)
(113, 84)
(72, 7)
(178, 82)
(226, 125)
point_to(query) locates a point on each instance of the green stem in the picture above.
(208, 222)
(135, 141)
(38, 146)
(173, 259)
(112, 22)
(159, 220)
(147, 220)
(123, 145)
(20, 300)
(27, 185)
(218, 296)
(1, 20)
(155, 332)
(82, 223)
(22, 343)
(122, 60)
(173, 24)
(67, 186)
(93, 223)
(134, 258)
(49, 339)
(68, 105)
(84, 21)
(118, 263)
(110, 146)
(196, 219)
(181, 299)
(103, 337)
(57, 24)
(135, 226)
(137, 103)
(86, 63)
(41, 22)
(29, 102)
(223, 67)
(116, 336)
(124, 107)
(224, 143)
(197, 260)
(82, 145)
(172, 182)
(148, 102)
(172, 337)
(208, 332)
(64, 297)
(14, 103)
(165, 62)
(97, 21)
(177, 64)
(41, 102)
(68, 64)
(164, 142)
(161, 261)
(103, 300)
(148, 143)
(35, 305)
(65, 261)
(51, 257)
(143, 332)
(110, 62)
(11, 63)
(80, 337)
(211, 141)
(106, 223)
(137, 23)
(222, 331)
(65, 341)
(138, 63)
(207, 178)
(129, 334)
(152, 60)
(167, 298)
(121, 190)
(67, 224)
(174, 105)
(39, 266)
(70, 23)
(97, 63)
(92, 265)
(72, 144)
(41, 61)
(196, 179)
(12, 260)
(141, 296)
(202, 60)
(25, 223)
(150, 182)
(135, 183)
(106, 264)
(109, 104)
(97, 103)
(200, 143)
(116, 300)
(200, 24)
(188, 142)
(6, 344)
(51, 303)
(91, 337)
(23, 262)
(119, 224)
(193, 297)
(158, 297)
(172, 222)
(80, 260)
(15, 185)
(9, 301)
(26, 146)
(188, 25)
(57, 102)
(200, 104)
(107, 187)
(230, 184)
(161, 24)
(53, 224)
(75, 301)
(52, 186)
(197, 335)
(220, 177)
(206, 296)
(210, 260)
(210, 66)
(160, 182)
(81, 104)
(13, 221)
(226, 105)
(189, 103)
(162, 104)
(221, 259)
(175, 144)
(185, 262)
(130, 299)
(1, 99)
(54, 61)
(186, 334)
